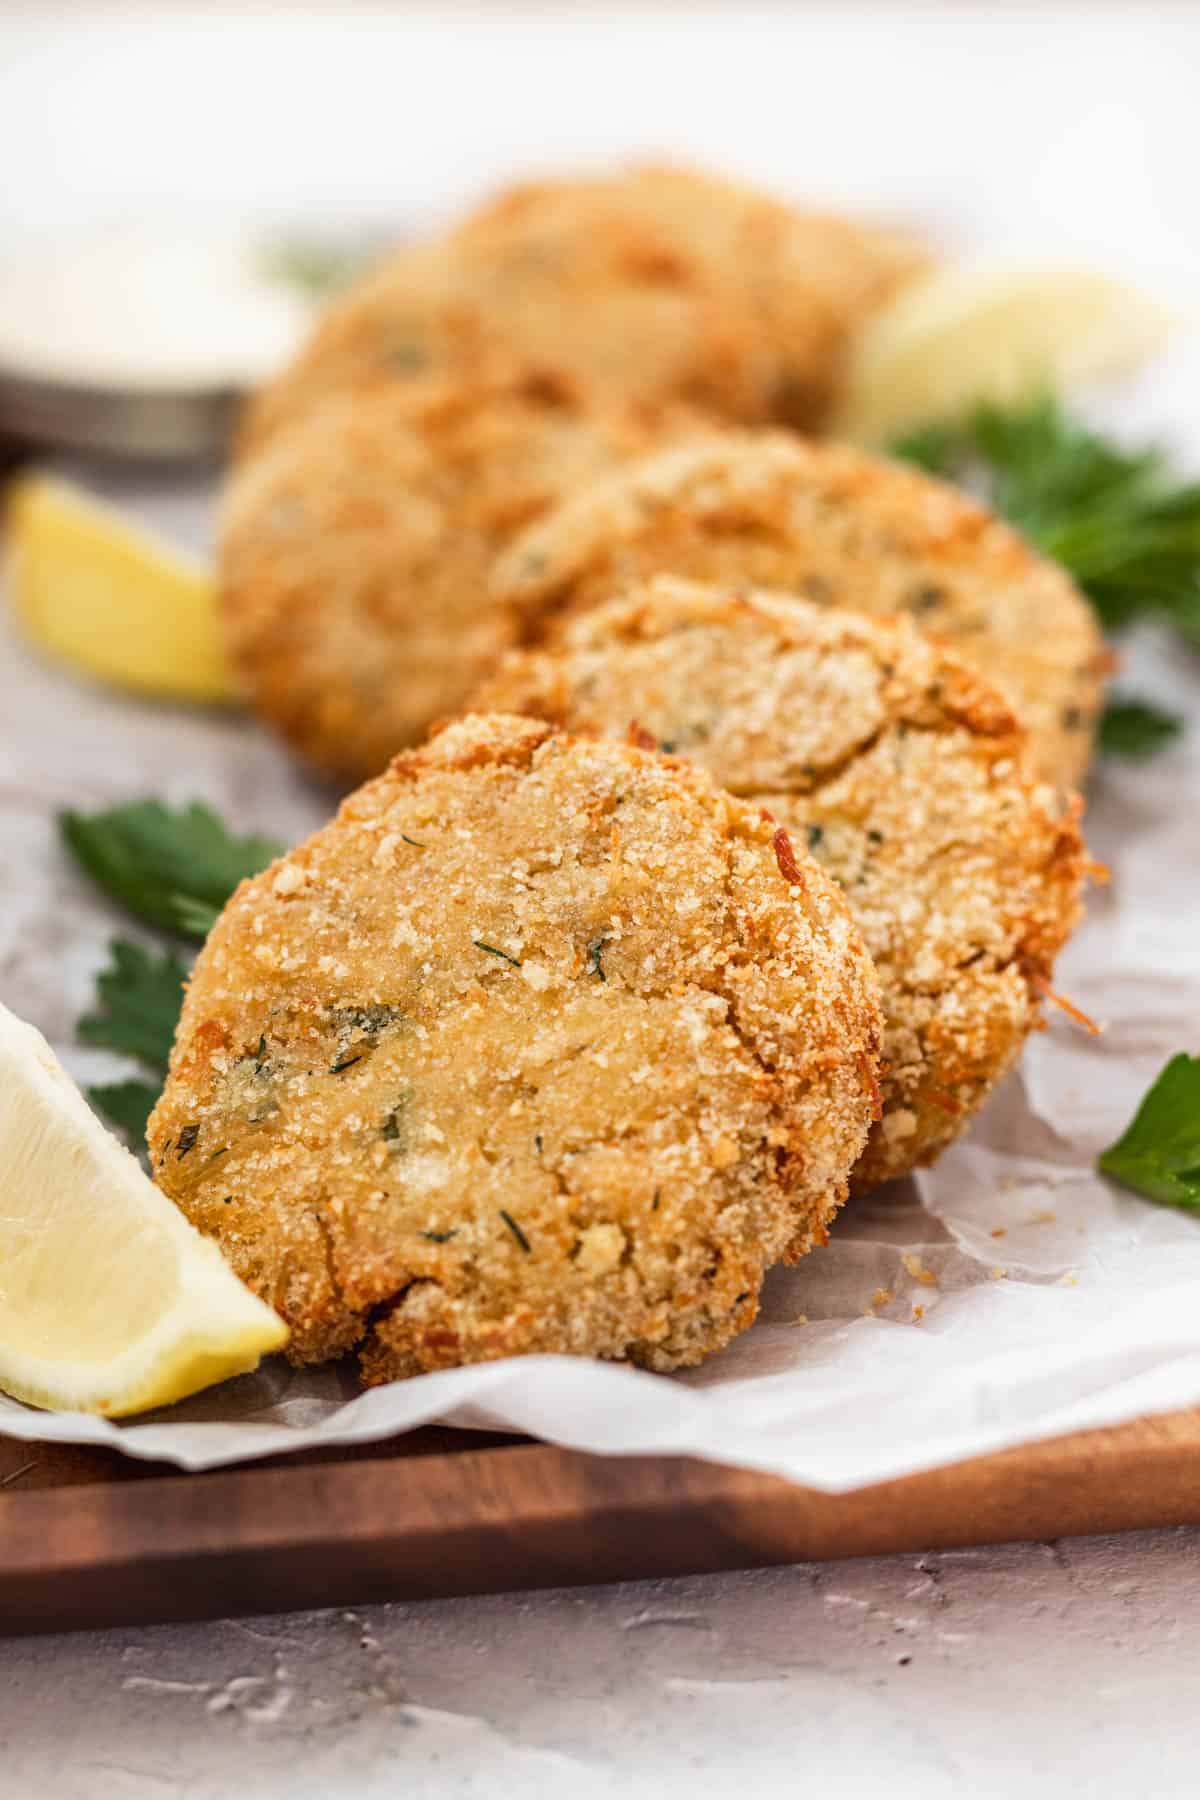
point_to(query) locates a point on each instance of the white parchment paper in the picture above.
(1008, 1294)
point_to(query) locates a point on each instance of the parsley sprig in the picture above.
(1118, 520)
(173, 870)
(1159, 1152)
(314, 267)
(1136, 728)
(139, 996)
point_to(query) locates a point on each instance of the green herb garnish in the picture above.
(1136, 729)
(175, 870)
(595, 952)
(126, 1104)
(1159, 1153)
(492, 951)
(139, 997)
(172, 869)
(516, 1230)
(187, 1141)
(438, 1237)
(313, 267)
(1118, 520)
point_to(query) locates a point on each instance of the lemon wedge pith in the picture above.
(112, 600)
(965, 334)
(110, 1302)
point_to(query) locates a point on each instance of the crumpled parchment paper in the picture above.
(1008, 1294)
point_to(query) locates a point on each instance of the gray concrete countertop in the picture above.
(1041, 1670)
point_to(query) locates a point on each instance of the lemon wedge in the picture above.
(110, 599)
(110, 1302)
(967, 334)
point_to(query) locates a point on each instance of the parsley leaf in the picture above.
(172, 869)
(1159, 1154)
(127, 1105)
(938, 449)
(1135, 728)
(140, 995)
(1117, 520)
(313, 267)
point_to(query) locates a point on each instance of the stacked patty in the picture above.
(905, 775)
(742, 881)
(652, 283)
(357, 548)
(840, 529)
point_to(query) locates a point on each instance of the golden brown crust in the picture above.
(839, 528)
(532, 1048)
(656, 283)
(906, 774)
(355, 550)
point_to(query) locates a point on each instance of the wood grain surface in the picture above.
(89, 1538)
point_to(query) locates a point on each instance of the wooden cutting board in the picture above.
(89, 1538)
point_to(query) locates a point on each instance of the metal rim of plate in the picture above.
(179, 425)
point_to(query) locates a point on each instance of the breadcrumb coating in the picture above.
(656, 283)
(838, 528)
(904, 773)
(536, 1047)
(355, 551)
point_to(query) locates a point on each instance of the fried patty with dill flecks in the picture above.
(652, 283)
(355, 550)
(905, 775)
(839, 528)
(542, 1045)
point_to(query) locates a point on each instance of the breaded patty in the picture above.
(655, 283)
(355, 551)
(841, 529)
(541, 1045)
(905, 774)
